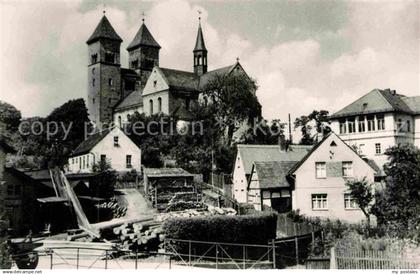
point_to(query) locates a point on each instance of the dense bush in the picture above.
(256, 228)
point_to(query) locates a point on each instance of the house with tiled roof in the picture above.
(315, 184)
(247, 155)
(112, 146)
(378, 120)
(115, 93)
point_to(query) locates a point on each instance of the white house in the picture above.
(112, 146)
(379, 120)
(320, 180)
(248, 154)
(315, 185)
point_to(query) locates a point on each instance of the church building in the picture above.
(115, 93)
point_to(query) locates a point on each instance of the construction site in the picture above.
(133, 237)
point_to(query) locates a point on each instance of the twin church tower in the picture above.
(115, 93)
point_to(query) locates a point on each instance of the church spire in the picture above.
(200, 52)
(104, 30)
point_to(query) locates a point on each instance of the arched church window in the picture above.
(119, 121)
(205, 101)
(159, 104)
(93, 71)
(151, 106)
(93, 82)
(199, 60)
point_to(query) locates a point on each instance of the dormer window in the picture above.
(116, 141)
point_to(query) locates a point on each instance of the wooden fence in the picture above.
(317, 263)
(286, 227)
(372, 259)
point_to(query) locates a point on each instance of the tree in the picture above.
(397, 207)
(264, 133)
(156, 135)
(232, 101)
(319, 121)
(361, 191)
(103, 184)
(57, 135)
(9, 116)
(5, 258)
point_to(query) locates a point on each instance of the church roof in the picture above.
(179, 79)
(378, 101)
(134, 99)
(206, 77)
(104, 30)
(199, 42)
(143, 38)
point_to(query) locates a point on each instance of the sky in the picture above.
(304, 55)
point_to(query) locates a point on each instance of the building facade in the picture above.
(379, 120)
(111, 146)
(314, 185)
(115, 93)
(248, 154)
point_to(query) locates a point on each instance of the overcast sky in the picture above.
(304, 55)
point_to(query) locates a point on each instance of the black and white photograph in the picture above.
(191, 135)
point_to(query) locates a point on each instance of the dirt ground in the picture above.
(136, 204)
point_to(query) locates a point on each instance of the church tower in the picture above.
(104, 72)
(200, 53)
(143, 53)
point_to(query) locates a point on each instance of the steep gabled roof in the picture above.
(199, 42)
(273, 174)
(375, 101)
(315, 147)
(90, 142)
(143, 37)
(267, 153)
(104, 30)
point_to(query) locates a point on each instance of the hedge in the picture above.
(240, 229)
(250, 229)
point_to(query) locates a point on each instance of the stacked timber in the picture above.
(140, 236)
(188, 213)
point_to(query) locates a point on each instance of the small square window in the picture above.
(320, 170)
(347, 169)
(378, 149)
(128, 161)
